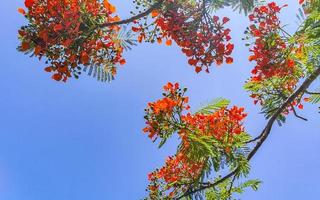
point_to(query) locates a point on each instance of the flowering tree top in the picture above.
(76, 36)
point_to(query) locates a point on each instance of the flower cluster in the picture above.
(276, 73)
(162, 114)
(67, 34)
(203, 39)
(170, 115)
(177, 169)
(218, 124)
(269, 50)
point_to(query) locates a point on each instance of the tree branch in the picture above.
(304, 86)
(312, 93)
(296, 114)
(136, 17)
(266, 131)
(256, 138)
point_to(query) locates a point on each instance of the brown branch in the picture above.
(231, 186)
(312, 93)
(296, 114)
(304, 86)
(256, 138)
(265, 133)
(136, 17)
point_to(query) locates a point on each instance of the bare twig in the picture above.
(312, 93)
(296, 114)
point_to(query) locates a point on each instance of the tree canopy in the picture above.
(88, 36)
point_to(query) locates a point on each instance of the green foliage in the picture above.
(213, 106)
(104, 73)
(241, 5)
(309, 33)
(201, 146)
(222, 156)
(271, 93)
(214, 153)
(214, 150)
(127, 38)
(243, 166)
(224, 191)
(304, 48)
(315, 98)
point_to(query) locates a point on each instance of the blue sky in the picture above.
(83, 140)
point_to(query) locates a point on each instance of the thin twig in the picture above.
(231, 185)
(284, 31)
(312, 93)
(136, 17)
(295, 114)
(256, 138)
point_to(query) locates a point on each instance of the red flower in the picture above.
(57, 77)
(202, 45)
(29, 3)
(225, 20)
(169, 115)
(229, 60)
(21, 11)
(56, 29)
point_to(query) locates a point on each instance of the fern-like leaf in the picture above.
(214, 106)
(241, 5)
(315, 98)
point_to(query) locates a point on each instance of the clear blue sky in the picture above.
(83, 141)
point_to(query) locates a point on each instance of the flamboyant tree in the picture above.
(75, 36)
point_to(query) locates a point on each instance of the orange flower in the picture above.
(122, 61)
(48, 69)
(84, 58)
(229, 60)
(37, 50)
(307, 99)
(29, 3)
(192, 61)
(58, 27)
(154, 13)
(22, 11)
(198, 69)
(59, 23)
(115, 19)
(135, 29)
(291, 63)
(25, 46)
(109, 6)
(169, 42)
(57, 77)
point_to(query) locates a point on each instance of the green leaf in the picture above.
(254, 184)
(224, 192)
(315, 98)
(127, 38)
(214, 106)
(241, 5)
(102, 73)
